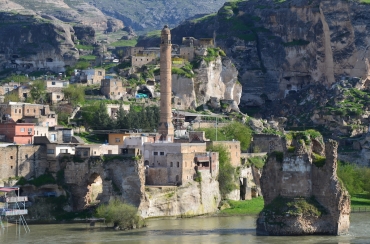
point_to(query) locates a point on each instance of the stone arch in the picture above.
(146, 163)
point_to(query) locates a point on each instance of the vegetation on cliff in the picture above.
(226, 175)
(122, 216)
(355, 178)
(235, 130)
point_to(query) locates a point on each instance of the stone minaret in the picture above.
(165, 129)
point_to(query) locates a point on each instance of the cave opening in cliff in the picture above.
(146, 91)
(94, 189)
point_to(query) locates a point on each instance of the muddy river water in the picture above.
(236, 229)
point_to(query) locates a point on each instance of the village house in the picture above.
(112, 89)
(30, 113)
(92, 76)
(19, 133)
(130, 143)
(87, 150)
(232, 147)
(112, 109)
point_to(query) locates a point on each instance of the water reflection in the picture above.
(239, 229)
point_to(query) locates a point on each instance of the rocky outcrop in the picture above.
(283, 46)
(67, 11)
(188, 200)
(302, 192)
(31, 43)
(214, 81)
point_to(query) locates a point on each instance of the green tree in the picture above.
(75, 94)
(11, 97)
(121, 215)
(234, 130)
(101, 118)
(16, 78)
(226, 175)
(38, 91)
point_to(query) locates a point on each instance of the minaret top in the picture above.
(166, 30)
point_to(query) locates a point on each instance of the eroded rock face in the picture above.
(31, 43)
(217, 79)
(188, 200)
(279, 47)
(296, 178)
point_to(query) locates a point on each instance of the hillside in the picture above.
(284, 46)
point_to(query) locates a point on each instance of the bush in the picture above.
(354, 177)
(318, 160)
(121, 215)
(258, 162)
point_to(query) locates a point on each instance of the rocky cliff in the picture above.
(301, 190)
(76, 11)
(29, 42)
(188, 200)
(279, 46)
(214, 84)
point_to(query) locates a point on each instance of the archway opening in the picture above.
(94, 189)
(144, 90)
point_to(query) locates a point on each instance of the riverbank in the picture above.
(255, 206)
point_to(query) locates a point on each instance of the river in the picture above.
(236, 229)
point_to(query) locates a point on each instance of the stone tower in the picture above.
(165, 128)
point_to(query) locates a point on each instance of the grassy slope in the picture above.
(255, 206)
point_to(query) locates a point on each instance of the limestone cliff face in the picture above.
(301, 176)
(31, 43)
(188, 200)
(217, 79)
(278, 47)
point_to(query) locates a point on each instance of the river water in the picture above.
(236, 229)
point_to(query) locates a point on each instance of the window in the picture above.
(28, 110)
(58, 97)
(171, 164)
(109, 151)
(22, 129)
(53, 83)
(29, 129)
(50, 151)
(15, 110)
(155, 153)
(99, 73)
(11, 157)
(94, 152)
(118, 140)
(178, 164)
(63, 150)
(161, 153)
(26, 156)
(20, 111)
(119, 93)
(85, 153)
(53, 137)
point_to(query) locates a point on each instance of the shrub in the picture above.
(318, 160)
(198, 177)
(121, 215)
(257, 161)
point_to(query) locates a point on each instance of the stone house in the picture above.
(131, 143)
(92, 76)
(112, 109)
(56, 83)
(112, 89)
(146, 56)
(232, 147)
(266, 143)
(22, 160)
(177, 163)
(30, 113)
(88, 150)
(54, 94)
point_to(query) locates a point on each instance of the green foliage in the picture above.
(124, 43)
(15, 78)
(62, 118)
(291, 149)
(84, 47)
(253, 206)
(226, 171)
(212, 54)
(120, 215)
(138, 117)
(44, 179)
(234, 130)
(272, 131)
(306, 136)
(11, 97)
(186, 71)
(88, 57)
(355, 178)
(257, 161)
(75, 94)
(198, 177)
(38, 91)
(281, 206)
(318, 160)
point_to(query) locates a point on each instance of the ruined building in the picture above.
(302, 192)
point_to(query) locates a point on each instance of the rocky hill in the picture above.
(29, 42)
(69, 11)
(283, 46)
